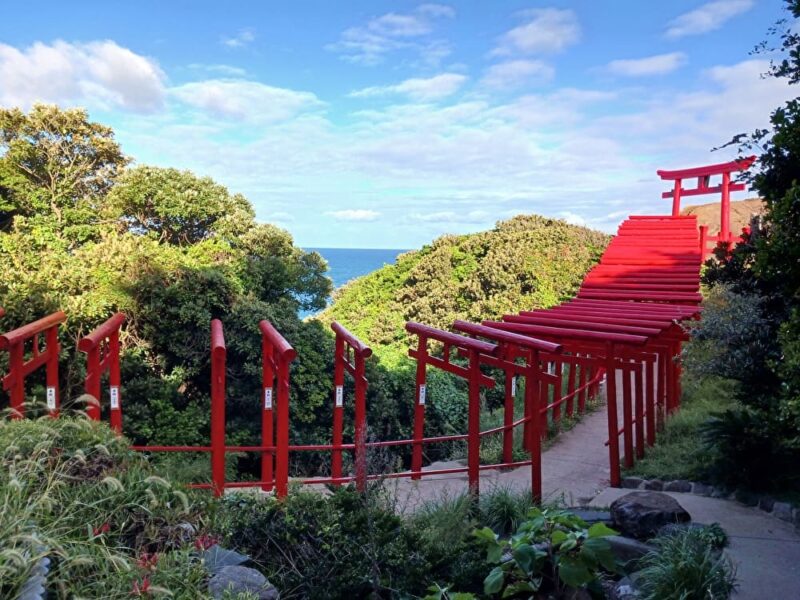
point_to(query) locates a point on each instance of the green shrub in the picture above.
(552, 551)
(686, 565)
(342, 545)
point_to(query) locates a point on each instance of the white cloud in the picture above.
(225, 70)
(96, 74)
(437, 10)
(368, 44)
(659, 64)
(707, 17)
(242, 38)
(423, 89)
(354, 214)
(544, 31)
(514, 73)
(474, 217)
(572, 218)
(245, 100)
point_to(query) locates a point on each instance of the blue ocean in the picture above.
(345, 264)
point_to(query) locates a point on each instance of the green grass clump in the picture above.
(73, 494)
(686, 565)
(680, 451)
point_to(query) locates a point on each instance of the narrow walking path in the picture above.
(574, 468)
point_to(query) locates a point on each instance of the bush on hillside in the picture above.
(523, 263)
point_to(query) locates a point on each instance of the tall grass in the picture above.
(680, 452)
(73, 493)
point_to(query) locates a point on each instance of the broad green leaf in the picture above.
(494, 581)
(600, 530)
(558, 537)
(574, 573)
(525, 555)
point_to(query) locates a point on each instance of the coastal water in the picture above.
(345, 264)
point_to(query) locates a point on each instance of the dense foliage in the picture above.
(525, 262)
(753, 336)
(82, 232)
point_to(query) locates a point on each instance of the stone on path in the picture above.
(642, 514)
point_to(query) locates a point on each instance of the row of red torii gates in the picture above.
(622, 328)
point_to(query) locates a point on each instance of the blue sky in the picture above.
(386, 124)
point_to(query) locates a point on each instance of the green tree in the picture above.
(760, 442)
(57, 165)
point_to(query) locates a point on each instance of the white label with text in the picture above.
(514, 386)
(268, 399)
(51, 398)
(339, 395)
(422, 391)
(114, 393)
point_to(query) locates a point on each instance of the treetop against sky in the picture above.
(385, 124)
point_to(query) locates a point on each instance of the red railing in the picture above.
(350, 356)
(19, 368)
(102, 355)
(278, 355)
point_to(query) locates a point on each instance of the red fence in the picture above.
(19, 367)
(622, 328)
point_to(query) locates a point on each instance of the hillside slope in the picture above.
(526, 262)
(741, 211)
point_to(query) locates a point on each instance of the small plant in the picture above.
(503, 509)
(553, 550)
(686, 564)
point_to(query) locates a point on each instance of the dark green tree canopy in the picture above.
(177, 207)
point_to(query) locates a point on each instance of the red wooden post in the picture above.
(217, 408)
(282, 445)
(638, 394)
(338, 407)
(557, 391)
(703, 241)
(534, 436)
(53, 392)
(676, 199)
(508, 416)
(571, 388)
(360, 429)
(582, 382)
(420, 396)
(114, 382)
(662, 388)
(267, 419)
(627, 414)
(650, 400)
(725, 208)
(474, 424)
(613, 425)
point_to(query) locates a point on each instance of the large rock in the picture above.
(237, 580)
(642, 514)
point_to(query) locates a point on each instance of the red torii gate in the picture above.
(703, 175)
